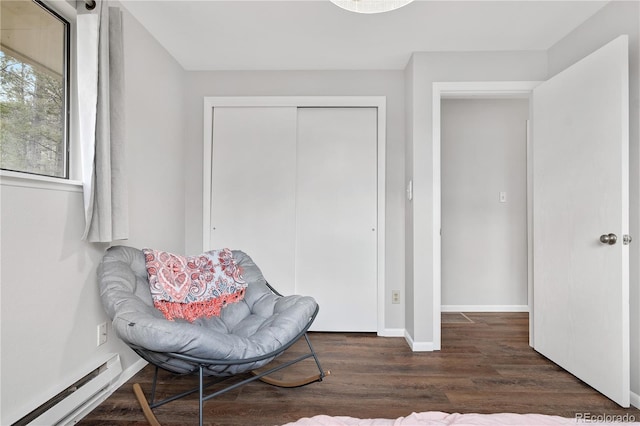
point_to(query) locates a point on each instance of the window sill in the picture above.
(25, 180)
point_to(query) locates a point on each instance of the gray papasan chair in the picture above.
(247, 335)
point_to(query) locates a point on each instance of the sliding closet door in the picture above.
(253, 187)
(336, 215)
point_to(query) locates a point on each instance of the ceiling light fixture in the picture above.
(370, 6)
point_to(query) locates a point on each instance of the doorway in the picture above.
(470, 90)
(484, 205)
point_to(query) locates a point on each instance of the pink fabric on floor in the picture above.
(436, 418)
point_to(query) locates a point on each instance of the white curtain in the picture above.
(100, 77)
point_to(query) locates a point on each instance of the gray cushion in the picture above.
(256, 326)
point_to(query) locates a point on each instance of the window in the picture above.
(34, 106)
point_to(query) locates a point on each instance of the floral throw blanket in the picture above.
(195, 286)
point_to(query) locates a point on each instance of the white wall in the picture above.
(155, 133)
(425, 69)
(50, 305)
(484, 241)
(410, 121)
(302, 83)
(617, 18)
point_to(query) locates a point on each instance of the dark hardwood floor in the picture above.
(485, 366)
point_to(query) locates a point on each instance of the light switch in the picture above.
(503, 197)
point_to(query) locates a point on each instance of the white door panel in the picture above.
(253, 187)
(336, 215)
(296, 188)
(580, 191)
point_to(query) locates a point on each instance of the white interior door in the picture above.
(253, 187)
(580, 192)
(336, 215)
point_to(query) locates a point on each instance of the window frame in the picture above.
(65, 13)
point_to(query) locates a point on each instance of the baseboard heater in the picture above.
(70, 405)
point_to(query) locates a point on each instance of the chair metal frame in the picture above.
(200, 364)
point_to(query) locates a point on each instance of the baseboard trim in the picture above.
(635, 399)
(484, 308)
(392, 332)
(418, 346)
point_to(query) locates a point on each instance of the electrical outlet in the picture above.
(102, 334)
(395, 296)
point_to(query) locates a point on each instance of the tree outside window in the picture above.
(33, 89)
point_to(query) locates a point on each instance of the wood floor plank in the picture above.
(485, 366)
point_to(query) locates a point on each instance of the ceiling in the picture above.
(317, 35)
